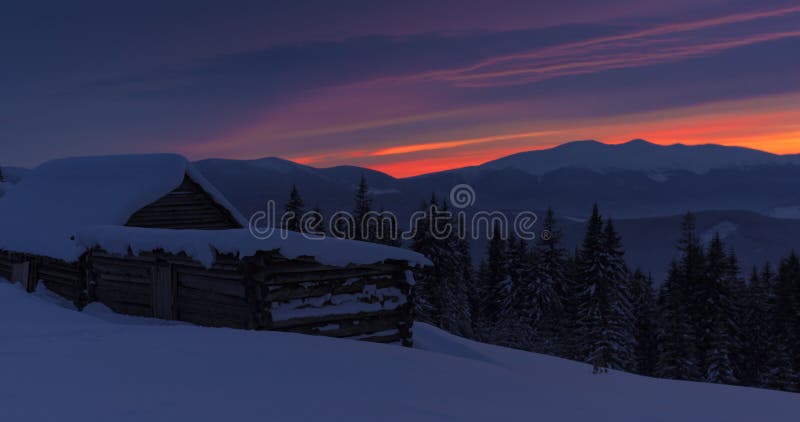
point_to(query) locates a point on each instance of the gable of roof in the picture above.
(188, 206)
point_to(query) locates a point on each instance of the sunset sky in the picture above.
(402, 87)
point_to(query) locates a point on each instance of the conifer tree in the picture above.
(605, 319)
(589, 292)
(545, 288)
(427, 292)
(459, 295)
(293, 211)
(645, 316)
(715, 328)
(495, 285)
(676, 339)
(783, 366)
(755, 329)
(364, 229)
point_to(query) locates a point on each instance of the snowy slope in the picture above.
(57, 364)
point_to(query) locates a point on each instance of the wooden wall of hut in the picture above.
(67, 279)
(6, 264)
(186, 207)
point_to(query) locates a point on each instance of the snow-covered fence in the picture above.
(370, 302)
(265, 291)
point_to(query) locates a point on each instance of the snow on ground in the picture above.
(59, 364)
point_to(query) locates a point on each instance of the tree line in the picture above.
(705, 322)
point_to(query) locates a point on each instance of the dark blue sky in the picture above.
(404, 87)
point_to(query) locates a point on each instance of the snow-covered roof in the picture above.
(58, 198)
(65, 207)
(203, 244)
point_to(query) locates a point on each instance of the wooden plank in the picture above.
(119, 278)
(210, 297)
(20, 272)
(48, 272)
(318, 276)
(66, 291)
(286, 292)
(163, 293)
(228, 287)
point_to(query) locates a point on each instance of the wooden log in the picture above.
(104, 295)
(318, 276)
(63, 290)
(122, 278)
(209, 297)
(292, 291)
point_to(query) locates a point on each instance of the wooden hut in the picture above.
(149, 236)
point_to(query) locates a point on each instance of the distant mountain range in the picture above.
(632, 180)
(738, 192)
(638, 155)
(749, 196)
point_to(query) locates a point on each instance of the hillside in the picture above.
(140, 369)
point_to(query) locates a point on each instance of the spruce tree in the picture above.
(756, 327)
(293, 211)
(645, 316)
(590, 293)
(495, 285)
(676, 339)
(461, 293)
(427, 292)
(784, 368)
(605, 319)
(715, 328)
(545, 289)
(364, 229)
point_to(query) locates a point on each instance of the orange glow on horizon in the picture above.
(769, 123)
(410, 168)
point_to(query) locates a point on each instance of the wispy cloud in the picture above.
(433, 146)
(659, 44)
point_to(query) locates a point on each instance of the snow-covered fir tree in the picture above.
(643, 304)
(716, 331)
(605, 322)
(494, 286)
(545, 287)
(784, 365)
(757, 316)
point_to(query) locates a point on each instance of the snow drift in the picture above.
(58, 364)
